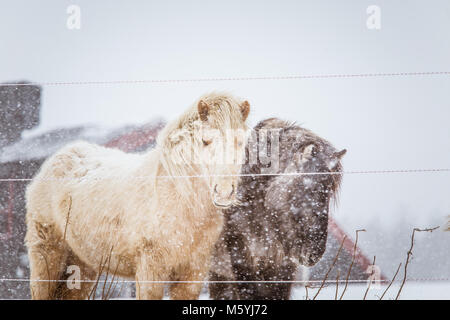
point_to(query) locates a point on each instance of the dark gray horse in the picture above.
(282, 220)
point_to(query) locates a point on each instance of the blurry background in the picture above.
(384, 122)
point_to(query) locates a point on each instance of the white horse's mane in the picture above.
(178, 136)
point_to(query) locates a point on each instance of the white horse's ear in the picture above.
(203, 110)
(245, 109)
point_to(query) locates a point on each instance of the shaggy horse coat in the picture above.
(282, 219)
(89, 204)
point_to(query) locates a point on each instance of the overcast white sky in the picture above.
(385, 123)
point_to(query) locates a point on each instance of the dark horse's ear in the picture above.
(340, 154)
(203, 110)
(245, 109)
(336, 158)
(309, 151)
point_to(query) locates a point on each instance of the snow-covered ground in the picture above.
(432, 290)
(412, 290)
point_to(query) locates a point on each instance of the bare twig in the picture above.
(392, 281)
(138, 288)
(329, 270)
(48, 275)
(61, 260)
(107, 272)
(94, 288)
(67, 218)
(351, 264)
(409, 254)
(337, 285)
(108, 295)
(120, 290)
(370, 277)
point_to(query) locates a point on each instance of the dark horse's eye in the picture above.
(206, 142)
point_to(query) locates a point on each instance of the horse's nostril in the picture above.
(215, 188)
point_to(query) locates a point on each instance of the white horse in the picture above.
(143, 214)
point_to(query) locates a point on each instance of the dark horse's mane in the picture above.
(291, 128)
(281, 220)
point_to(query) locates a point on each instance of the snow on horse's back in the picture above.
(152, 216)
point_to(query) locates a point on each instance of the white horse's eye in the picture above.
(206, 142)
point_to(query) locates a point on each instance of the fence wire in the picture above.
(217, 79)
(288, 174)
